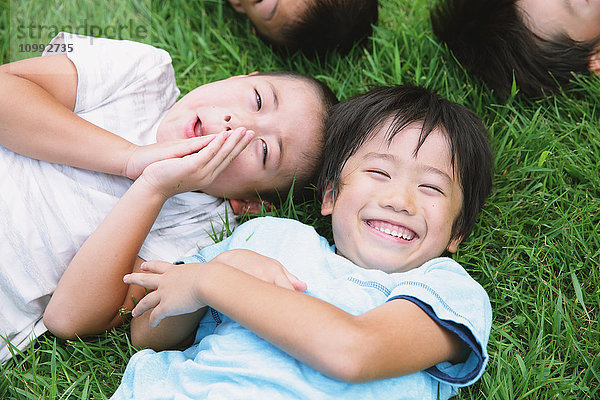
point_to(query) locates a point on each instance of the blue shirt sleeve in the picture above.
(444, 290)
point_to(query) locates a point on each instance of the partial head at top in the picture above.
(541, 42)
(311, 26)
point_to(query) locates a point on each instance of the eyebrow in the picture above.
(393, 158)
(275, 96)
(280, 140)
(275, 107)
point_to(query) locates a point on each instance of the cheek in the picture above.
(240, 171)
(440, 217)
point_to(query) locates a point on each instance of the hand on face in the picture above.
(142, 156)
(282, 112)
(195, 171)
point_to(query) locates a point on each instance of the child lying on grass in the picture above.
(311, 26)
(76, 128)
(378, 315)
(538, 42)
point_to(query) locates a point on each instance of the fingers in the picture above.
(296, 283)
(220, 152)
(238, 141)
(289, 281)
(283, 282)
(155, 317)
(149, 301)
(184, 147)
(157, 267)
(149, 281)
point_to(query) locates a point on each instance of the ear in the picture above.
(237, 6)
(250, 206)
(453, 245)
(594, 65)
(253, 73)
(327, 205)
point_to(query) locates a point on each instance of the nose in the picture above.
(227, 120)
(399, 197)
(232, 121)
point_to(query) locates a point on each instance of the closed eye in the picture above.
(258, 100)
(265, 151)
(433, 188)
(378, 172)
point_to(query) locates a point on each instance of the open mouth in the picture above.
(198, 128)
(193, 128)
(392, 230)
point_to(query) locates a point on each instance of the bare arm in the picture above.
(91, 292)
(37, 121)
(179, 331)
(395, 339)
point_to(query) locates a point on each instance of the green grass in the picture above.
(536, 246)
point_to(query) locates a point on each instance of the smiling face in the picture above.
(285, 113)
(269, 16)
(578, 19)
(395, 210)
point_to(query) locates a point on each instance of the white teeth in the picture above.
(395, 233)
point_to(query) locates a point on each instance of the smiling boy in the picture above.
(378, 315)
(541, 42)
(394, 209)
(77, 128)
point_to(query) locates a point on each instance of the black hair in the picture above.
(328, 25)
(311, 160)
(491, 40)
(355, 121)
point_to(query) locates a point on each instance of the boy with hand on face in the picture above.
(311, 26)
(276, 312)
(77, 128)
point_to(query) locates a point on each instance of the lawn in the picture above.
(536, 246)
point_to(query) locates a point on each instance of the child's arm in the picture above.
(173, 331)
(394, 339)
(37, 120)
(91, 292)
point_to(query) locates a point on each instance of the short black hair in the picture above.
(329, 25)
(491, 40)
(312, 160)
(355, 121)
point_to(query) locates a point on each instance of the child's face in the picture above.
(285, 114)
(269, 16)
(579, 19)
(395, 211)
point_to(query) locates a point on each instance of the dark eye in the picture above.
(265, 151)
(378, 172)
(258, 100)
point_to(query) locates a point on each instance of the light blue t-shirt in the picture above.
(230, 362)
